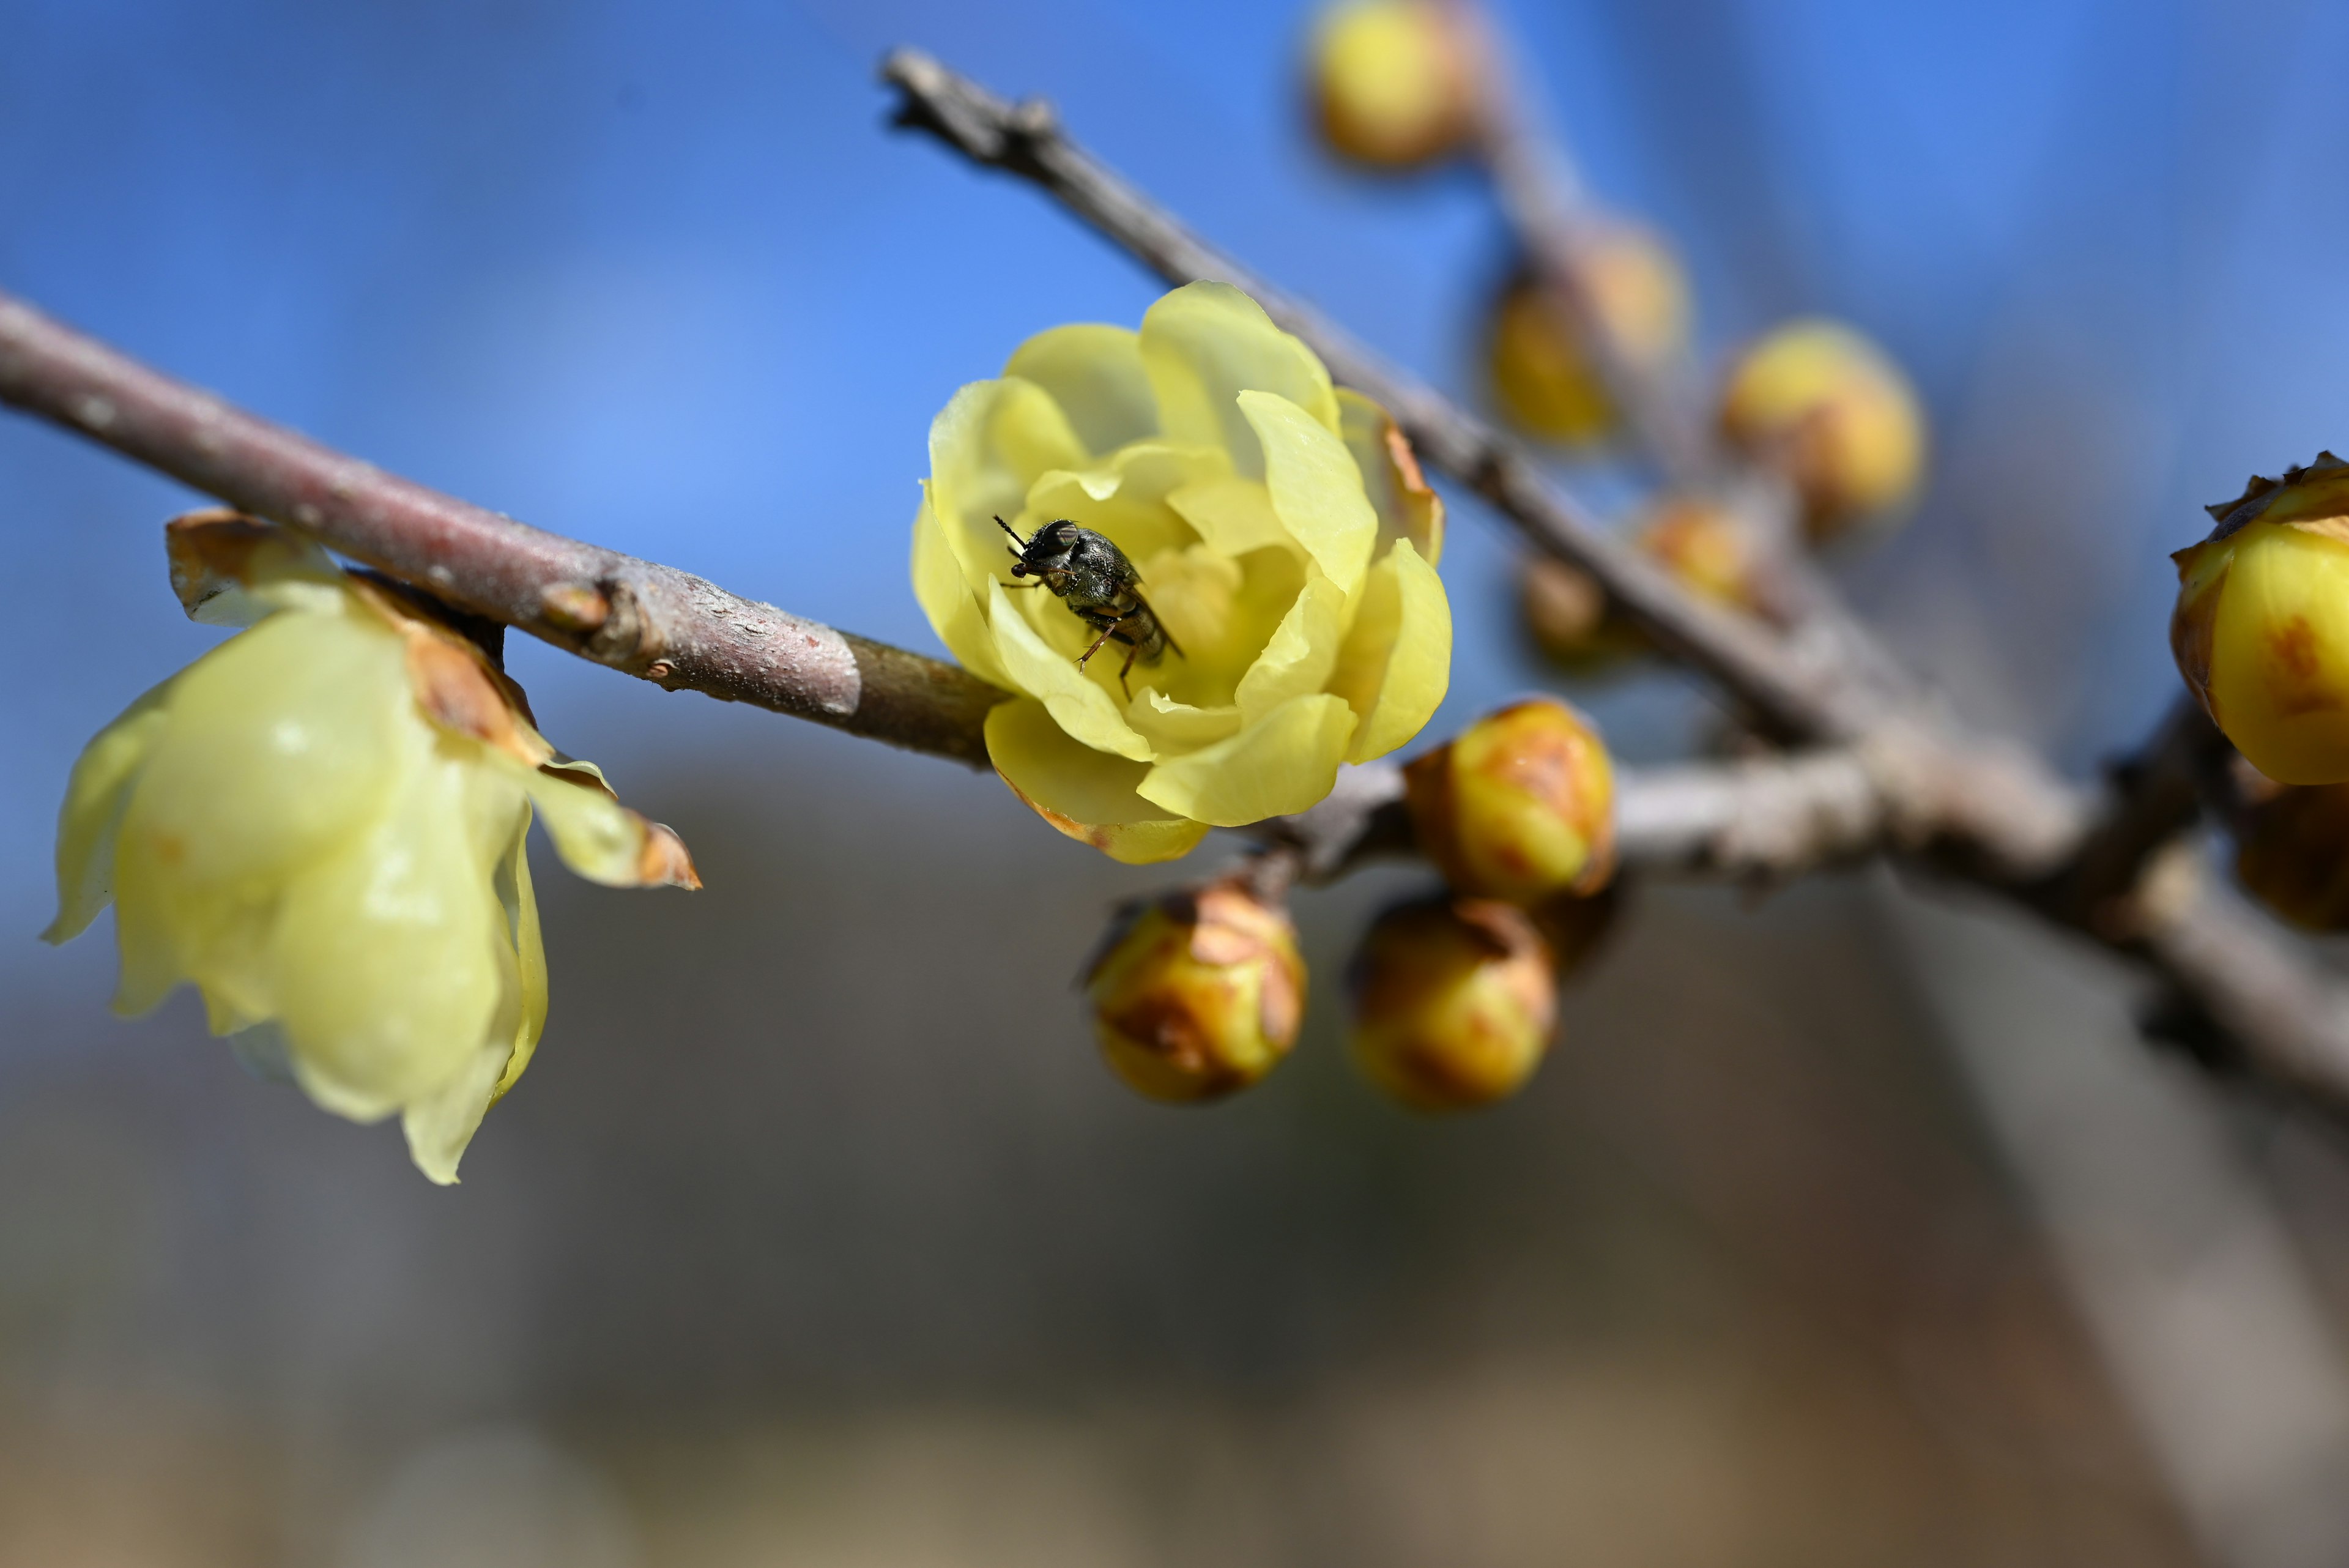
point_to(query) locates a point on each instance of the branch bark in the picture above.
(651, 621)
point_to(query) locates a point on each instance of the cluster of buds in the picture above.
(1822, 406)
(1198, 993)
(1546, 377)
(320, 825)
(1394, 82)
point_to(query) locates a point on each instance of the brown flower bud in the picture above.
(1565, 616)
(1576, 925)
(1198, 993)
(2291, 851)
(1548, 379)
(1454, 1002)
(1393, 85)
(1519, 806)
(1708, 548)
(1823, 406)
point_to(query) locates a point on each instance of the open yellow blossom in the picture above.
(320, 825)
(2262, 628)
(1283, 537)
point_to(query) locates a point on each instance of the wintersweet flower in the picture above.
(320, 825)
(1284, 540)
(2262, 628)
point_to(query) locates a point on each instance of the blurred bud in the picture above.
(1708, 547)
(1823, 406)
(1549, 382)
(1454, 1002)
(1520, 806)
(1198, 993)
(1393, 83)
(2262, 628)
(1566, 614)
(1574, 925)
(2291, 851)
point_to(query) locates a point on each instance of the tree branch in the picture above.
(1965, 804)
(651, 621)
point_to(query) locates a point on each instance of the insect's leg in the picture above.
(1015, 588)
(1096, 644)
(1127, 669)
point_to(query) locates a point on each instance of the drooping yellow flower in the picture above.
(2262, 628)
(1284, 538)
(320, 825)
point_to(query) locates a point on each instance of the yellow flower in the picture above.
(1284, 538)
(2262, 628)
(319, 824)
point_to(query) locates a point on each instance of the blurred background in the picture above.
(1849, 1226)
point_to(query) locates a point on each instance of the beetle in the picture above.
(1100, 585)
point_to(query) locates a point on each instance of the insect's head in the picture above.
(1047, 548)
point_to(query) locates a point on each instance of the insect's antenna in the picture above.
(1008, 528)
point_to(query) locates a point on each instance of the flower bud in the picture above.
(2291, 851)
(1823, 406)
(1574, 925)
(1566, 615)
(1708, 548)
(1454, 1002)
(1548, 379)
(2262, 628)
(1520, 806)
(1198, 993)
(1393, 83)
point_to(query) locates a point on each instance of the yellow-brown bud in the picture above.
(2262, 628)
(1566, 615)
(1393, 83)
(1548, 379)
(1520, 806)
(1576, 925)
(1708, 547)
(1198, 993)
(1823, 406)
(2291, 851)
(1454, 1002)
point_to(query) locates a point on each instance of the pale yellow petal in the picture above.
(1398, 492)
(947, 598)
(988, 445)
(1095, 373)
(1316, 489)
(1206, 343)
(97, 795)
(1176, 727)
(388, 954)
(1397, 663)
(1080, 704)
(1301, 653)
(520, 903)
(1285, 762)
(1232, 514)
(1085, 793)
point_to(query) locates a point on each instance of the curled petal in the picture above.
(1285, 762)
(1398, 492)
(945, 596)
(1316, 489)
(1085, 793)
(96, 798)
(1080, 704)
(1095, 373)
(1232, 514)
(601, 840)
(1302, 652)
(1397, 663)
(1206, 344)
(991, 442)
(229, 569)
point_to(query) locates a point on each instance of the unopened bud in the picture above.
(1823, 406)
(2291, 852)
(1198, 993)
(1454, 1002)
(1548, 380)
(1705, 545)
(2262, 628)
(1392, 82)
(1520, 806)
(1576, 925)
(1566, 616)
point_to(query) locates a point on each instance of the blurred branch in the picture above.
(651, 621)
(1964, 804)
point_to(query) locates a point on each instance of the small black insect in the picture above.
(1100, 585)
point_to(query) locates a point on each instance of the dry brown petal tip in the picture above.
(664, 862)
(211, 551)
